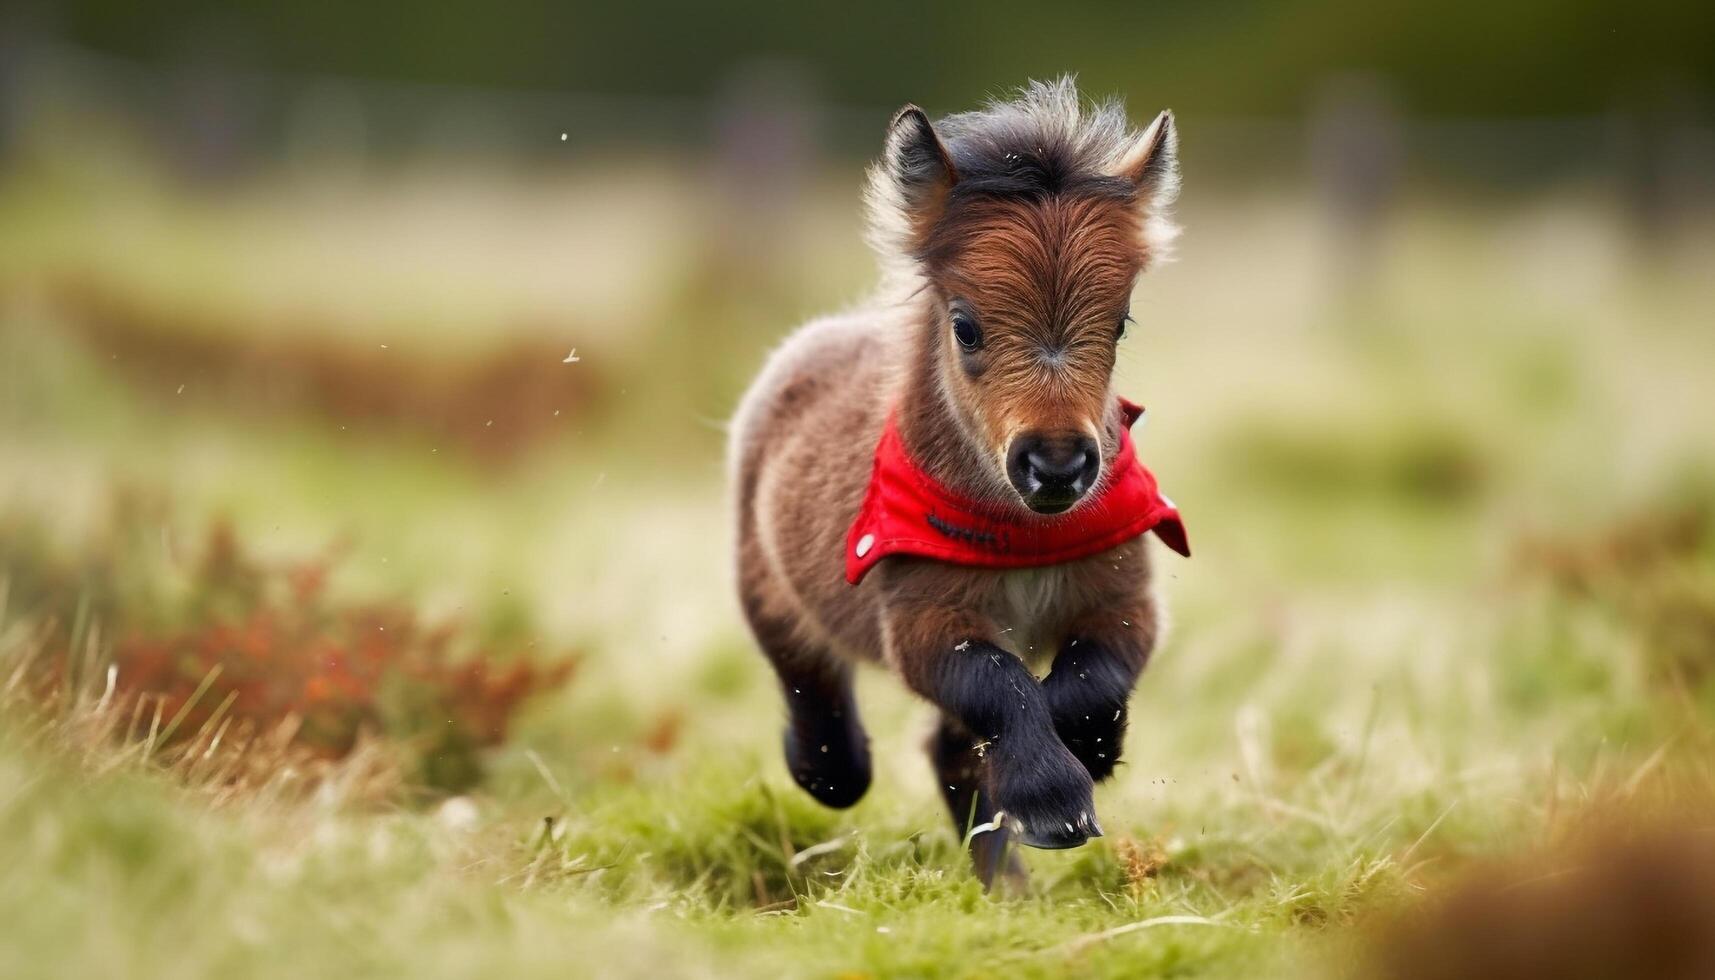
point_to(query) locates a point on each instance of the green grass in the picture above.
(1372, 680)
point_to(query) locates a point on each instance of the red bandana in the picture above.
(907, 512)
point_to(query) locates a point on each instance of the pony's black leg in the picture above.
(1030, 776)
(959, 770)
(1089, 687)
(827, 751)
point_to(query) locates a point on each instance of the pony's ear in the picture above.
(908, 187)
(1152, 160)
(1152, 163)
(917, 161)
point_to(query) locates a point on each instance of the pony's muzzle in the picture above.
(1051, 470)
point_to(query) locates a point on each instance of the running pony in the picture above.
(942, 480)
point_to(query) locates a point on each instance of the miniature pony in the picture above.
(977, 379)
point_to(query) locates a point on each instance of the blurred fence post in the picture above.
(15, 36)
(1354, 150)
(215, 104)
(764, 131)
(10, 52)
(1664, 161)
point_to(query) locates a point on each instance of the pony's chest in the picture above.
(1031, 607)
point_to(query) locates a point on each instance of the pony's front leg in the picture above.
(951, 659)
(1092, 679)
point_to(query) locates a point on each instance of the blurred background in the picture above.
(410, 331)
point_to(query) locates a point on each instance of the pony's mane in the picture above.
(1047, 140)
(1044, 140)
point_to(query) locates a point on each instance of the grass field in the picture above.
(1453, 593)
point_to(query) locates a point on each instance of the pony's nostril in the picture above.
(1090, 465)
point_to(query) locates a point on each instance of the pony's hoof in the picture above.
(835, 772)
(1046, 796)
(1055, 835)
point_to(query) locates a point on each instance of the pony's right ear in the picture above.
(908, 187)
(917, 161)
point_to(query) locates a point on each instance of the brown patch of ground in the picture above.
(495, 406)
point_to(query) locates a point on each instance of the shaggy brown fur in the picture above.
(1025, 223)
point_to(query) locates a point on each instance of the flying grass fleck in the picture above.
(817, 850)
(997, 823)
(824, 903)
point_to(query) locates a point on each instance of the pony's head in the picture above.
(1025, 224)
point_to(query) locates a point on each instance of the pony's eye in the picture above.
(965, 331)
(1119, 331)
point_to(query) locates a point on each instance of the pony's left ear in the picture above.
(1152, 160)
(1152, 163)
